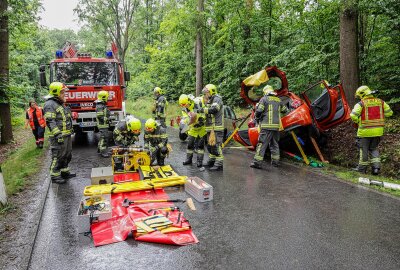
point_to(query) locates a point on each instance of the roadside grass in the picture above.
(141, 108)
(21, 163)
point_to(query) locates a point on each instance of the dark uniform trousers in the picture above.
(61, 155)
(215, 151)
(268, 138)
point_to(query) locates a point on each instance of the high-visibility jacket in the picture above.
(197, 128)
(370, 115)
(39, 115)
(268, 112)
(58, 117)
(214, 112)
(102, 114)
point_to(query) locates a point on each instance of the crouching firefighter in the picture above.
(197, 131)
(268, 116)
(156, 139)
(127, 132)
(370, 115)
(103, 122)
(214, 113)
(59, 122)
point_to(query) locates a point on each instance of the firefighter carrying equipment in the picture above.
(134, 186)
(129, 159)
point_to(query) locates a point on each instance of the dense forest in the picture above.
(163, 41)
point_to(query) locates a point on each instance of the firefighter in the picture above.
(59, 122)
(35, 119)
(103, 122)
(369, 114)
(267, 115)
(160, 106)
(127, 132)
(156, 139)
(214, 113)
(197, 131)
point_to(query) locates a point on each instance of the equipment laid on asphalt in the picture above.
(199, 189)
(134, 186)
(128, 159)
(102, 175)
(367, 181)
(189, 201)
(95, 208)
(154, 172)
(312, 162)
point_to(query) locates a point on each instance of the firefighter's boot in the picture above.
(160, 161)
(275, 163)
(188, 160)
(40, 144)
(67, 175)
(375, 170)
(256, 165)
(58, 180)
(218, 166)
(361, 169)
(210, 163)
(200, 160)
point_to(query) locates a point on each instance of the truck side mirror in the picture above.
(127, 76)
(42, 78)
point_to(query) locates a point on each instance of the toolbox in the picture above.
(102, 175)
(199, 189)
(95, 208)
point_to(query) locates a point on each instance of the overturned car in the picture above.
(321, 107)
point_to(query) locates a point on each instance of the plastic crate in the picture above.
(199, 189)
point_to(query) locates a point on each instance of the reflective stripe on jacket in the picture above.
(158, 137)
(161, 107)
(268, 111)
(214, 112)
(370, 115)
(102, 115)
(39, 116)
(58, 117)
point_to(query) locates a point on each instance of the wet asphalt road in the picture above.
(287, 218)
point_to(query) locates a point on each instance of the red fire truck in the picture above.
(85, 77)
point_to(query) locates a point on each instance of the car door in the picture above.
(328, 104)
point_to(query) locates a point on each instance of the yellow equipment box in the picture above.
(128, 159)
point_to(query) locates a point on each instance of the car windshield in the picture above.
(85, 73)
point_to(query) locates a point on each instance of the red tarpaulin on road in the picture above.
(121, 224)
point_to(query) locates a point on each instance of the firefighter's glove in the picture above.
(60, 139)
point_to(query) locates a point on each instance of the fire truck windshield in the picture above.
(85, 73)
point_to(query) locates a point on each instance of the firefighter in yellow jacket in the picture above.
(369, 114)
(196, 124)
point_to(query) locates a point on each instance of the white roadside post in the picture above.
(3, 194)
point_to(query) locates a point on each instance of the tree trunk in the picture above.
(5, 115)
(199, 48)
(349, 69)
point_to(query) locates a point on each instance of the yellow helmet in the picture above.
(158, 90)
(268, 90)
(362, 92)
(102, 96)
(150, 124)
(134, 125)
(55, 88)
(210, 88)
(185, 101)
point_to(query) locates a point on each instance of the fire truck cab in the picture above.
(85, 77)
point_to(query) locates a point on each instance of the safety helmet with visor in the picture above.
(134, 125)
(56, 88)
(102, 96)
(150, 125)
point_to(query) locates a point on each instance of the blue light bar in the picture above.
(59, 54)
(109, 54)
